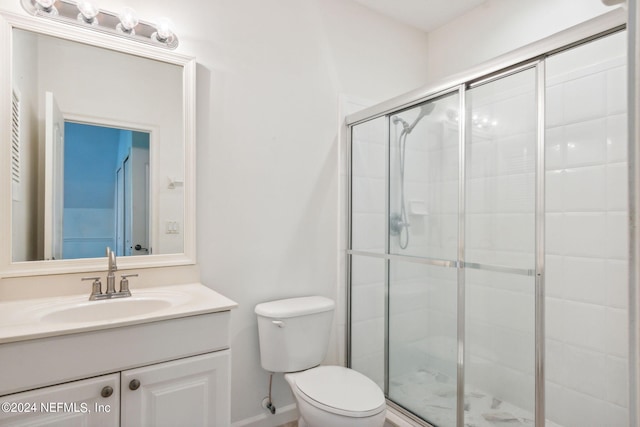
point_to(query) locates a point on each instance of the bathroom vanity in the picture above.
(166, 361)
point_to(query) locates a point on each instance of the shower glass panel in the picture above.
(499, 349)
(500, 172)
(368, 317)
(423, 203)
(368, 186)
(423, 232)
(423, 340)
(500, 248)
(586, 251)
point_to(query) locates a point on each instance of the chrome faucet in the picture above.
(96, 290)
(111, 272)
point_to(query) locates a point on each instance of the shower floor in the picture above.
(432, 395)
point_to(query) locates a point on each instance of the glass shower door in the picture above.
(500, 250)
(423, 242)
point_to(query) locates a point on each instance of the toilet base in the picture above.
(311, 416)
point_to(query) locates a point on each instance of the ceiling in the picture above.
(423, 14)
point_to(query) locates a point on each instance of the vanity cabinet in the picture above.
(169, 372)
(193, 391)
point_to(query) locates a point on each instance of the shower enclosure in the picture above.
(487, 248)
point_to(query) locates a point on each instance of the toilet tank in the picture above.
(294, 333)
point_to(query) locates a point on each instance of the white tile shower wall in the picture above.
(586, 235)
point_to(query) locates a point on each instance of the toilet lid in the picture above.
(341, 390)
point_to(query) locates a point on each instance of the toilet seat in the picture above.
(341, 391)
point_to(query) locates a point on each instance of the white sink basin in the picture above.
(36, 318)
(96, 311)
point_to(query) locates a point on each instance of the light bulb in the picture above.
(88, 12)
(164, 29)
(47, 6)
(128, 21)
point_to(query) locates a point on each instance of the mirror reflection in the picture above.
(117, 163)
(97, 151)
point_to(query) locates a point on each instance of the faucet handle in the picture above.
(96, 286)
(124, 283)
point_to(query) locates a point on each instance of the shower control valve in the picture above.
(396, 224)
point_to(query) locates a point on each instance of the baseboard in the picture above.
(282, 416)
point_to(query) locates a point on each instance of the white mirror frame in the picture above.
(8, 268)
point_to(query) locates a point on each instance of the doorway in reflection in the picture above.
(106, 191)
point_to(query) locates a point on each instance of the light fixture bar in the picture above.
(71, 12)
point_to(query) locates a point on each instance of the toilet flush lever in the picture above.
(278, 323)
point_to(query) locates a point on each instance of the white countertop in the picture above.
(27, 319)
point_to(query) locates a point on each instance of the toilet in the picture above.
(294, 337)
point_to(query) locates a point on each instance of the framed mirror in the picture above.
(98, 150)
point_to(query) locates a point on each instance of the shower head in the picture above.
(396, 120)
(425, 110)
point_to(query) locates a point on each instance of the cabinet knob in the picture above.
(107, 391)
(134, 384)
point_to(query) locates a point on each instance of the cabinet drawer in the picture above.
(78, 403)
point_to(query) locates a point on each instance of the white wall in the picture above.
(268, 175)
(499, 26)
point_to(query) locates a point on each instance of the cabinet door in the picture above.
(188, 392)
(79, 403)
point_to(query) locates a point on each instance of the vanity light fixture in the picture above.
(86, 14)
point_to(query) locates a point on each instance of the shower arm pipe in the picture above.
(607, 23)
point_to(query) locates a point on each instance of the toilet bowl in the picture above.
(294, 337)
(338, 397)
